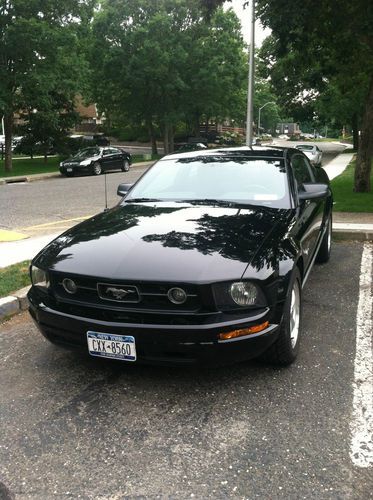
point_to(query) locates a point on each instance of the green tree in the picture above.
(326, 49)
(45, 129)
(317, 45)
(40, 56)
(162, 63)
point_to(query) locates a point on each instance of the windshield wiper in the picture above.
(139, 200)
(211, 201)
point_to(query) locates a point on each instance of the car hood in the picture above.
(167, 242)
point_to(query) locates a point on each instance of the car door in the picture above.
(310, 212)
(107, 159)
(117, 158)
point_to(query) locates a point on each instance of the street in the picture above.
(74, 427)
(53, 205)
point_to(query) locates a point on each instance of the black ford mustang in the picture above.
(204, 259)
(95, 160)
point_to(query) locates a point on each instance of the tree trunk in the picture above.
(365, 152)
(355, 131)
(152, 137)
(166, 138)
(8, 130)
(196, 131)
(171, 143)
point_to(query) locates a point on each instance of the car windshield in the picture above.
(87, 152)
(216, 179)
(305, 147)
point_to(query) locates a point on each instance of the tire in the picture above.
(70, 174)
(286, 347)
(96, 168)
(323, 254)
(125, 166)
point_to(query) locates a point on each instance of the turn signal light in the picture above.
(244, 331)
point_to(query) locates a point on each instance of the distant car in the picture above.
(283, 136)
(313, 153)
(96, 160)
(95, 139)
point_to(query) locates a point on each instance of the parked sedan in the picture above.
(96, 160)
(313, 153)
(204, 259)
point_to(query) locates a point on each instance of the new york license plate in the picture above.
(106, 345)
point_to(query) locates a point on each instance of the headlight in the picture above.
(239, 294)
(85, 163)
(244, 293)
(39, 277)
(61, 164)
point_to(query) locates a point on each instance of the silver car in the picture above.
(313, 153)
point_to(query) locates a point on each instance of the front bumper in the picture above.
(76, 169)
(166, 344)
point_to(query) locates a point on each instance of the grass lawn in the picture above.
(14, 277)
(344, 197)
(30, 166)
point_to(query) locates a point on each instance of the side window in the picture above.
(114, 151)
(302, 171)
(106, 152)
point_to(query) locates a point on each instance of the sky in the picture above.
(244, 16)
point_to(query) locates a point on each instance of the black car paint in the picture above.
(128, 244)
(112, 161)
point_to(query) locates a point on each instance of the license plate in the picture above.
(69, 170)
(106, 345)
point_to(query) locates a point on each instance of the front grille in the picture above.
(126, 296)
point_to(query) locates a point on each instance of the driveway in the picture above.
(73, 427)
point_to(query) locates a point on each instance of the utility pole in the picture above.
(250, 89)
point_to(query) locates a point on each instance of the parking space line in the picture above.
(56, 223)
(361, 447)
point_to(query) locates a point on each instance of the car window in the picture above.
(106, 152)
(304, 147)
(301, 169)
(114, 151)
(246, 180)
(87, 152)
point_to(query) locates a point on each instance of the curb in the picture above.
(51, 175)
(14, 304)
(352, 235)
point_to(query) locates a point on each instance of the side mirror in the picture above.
(123, 189)
(313, 190)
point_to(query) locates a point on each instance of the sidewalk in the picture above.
(338, 164)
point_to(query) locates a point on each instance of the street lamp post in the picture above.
(250, 89)
(260, 109)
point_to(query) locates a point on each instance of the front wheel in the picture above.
(285, 349)
(125, 166)
(96, 169)
(323, 254)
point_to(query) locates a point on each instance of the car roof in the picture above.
(250, 152)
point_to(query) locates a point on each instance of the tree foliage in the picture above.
(320, 59)
(322, 53)
(41, 56)
(160, 62)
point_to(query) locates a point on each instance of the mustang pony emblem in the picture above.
(118, 293)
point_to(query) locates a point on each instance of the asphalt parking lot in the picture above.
(73, 427)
